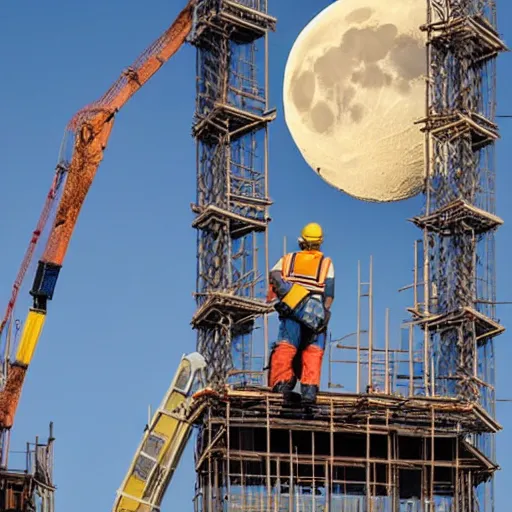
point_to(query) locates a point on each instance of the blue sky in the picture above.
(120, 319)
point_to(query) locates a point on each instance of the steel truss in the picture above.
(232, 193)
(457, 315)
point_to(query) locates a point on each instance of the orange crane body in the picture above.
(91, 128)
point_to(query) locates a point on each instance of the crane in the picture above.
(88, 131)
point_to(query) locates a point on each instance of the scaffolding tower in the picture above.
(416, 433)
(232, 205)
(457, 310)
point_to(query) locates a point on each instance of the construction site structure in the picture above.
(455, 312)
(29, 487)
(232, 205)
(417, 433)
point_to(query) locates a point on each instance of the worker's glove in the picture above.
(280, 287)
(271, 294)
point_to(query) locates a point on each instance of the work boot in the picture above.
(283, 387)
(308, 392)
(286, 388)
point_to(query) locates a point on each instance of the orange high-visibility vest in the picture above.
(307, 268)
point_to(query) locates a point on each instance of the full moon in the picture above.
(354, 85)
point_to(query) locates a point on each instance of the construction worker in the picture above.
(302, 284)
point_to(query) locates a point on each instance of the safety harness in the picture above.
(306, 271)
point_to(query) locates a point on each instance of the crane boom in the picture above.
(90, 129)
(29, 253)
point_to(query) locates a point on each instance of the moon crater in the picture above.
(359, 15)
(322, 117)
(304, 90)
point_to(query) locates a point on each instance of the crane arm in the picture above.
(29, 253)
(90, 129)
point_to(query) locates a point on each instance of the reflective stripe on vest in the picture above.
(308, 268)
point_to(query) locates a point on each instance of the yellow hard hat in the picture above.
(312, 233)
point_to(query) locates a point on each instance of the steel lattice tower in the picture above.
(457, 314)
(459, 219)
(232, 193)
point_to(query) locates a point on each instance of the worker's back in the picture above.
(309, 268)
